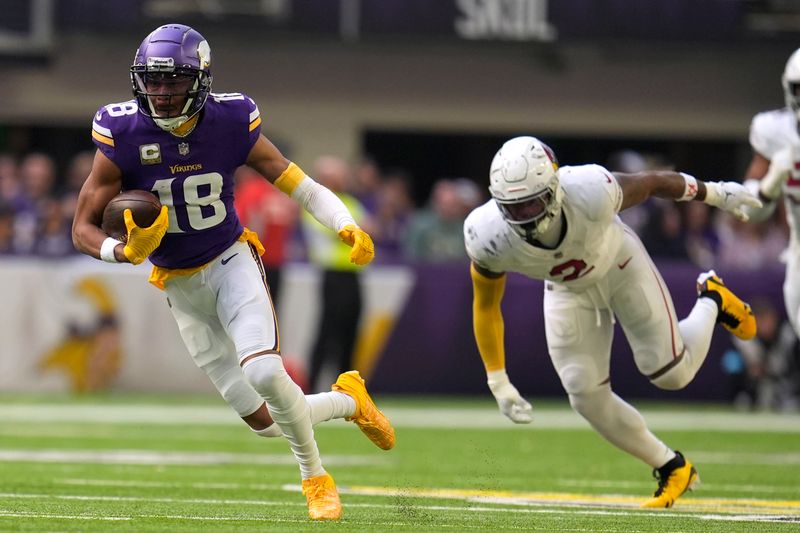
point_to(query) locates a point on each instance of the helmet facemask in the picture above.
(525, 186)
(170, 75)
(532, 216)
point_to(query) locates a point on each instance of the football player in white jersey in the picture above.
(561, 225)
(774, 172)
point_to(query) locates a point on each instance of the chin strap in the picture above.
(170, 124)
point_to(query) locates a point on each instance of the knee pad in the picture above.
(266, 374)
(285, 400)
(237, 392)
(589, 403)
(577, 379)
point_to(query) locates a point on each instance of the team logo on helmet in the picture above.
(171, 76)
(525, 185)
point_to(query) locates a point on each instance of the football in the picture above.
(144, 207)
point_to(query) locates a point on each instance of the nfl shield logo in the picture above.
(183, 148)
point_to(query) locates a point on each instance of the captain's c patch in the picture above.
(150, 154)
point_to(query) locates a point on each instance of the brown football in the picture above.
(144, 207)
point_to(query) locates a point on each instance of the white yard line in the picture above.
(574, 508)
(576, 483)
(165, 484)
(445, 418)
(617, 484)
(153, 457)
(22, 514)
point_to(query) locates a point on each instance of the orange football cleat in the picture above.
(322, 497)
(372, 422)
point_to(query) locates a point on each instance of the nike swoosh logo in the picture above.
(623, 265)
(225, 261)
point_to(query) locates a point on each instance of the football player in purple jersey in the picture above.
(182, 142)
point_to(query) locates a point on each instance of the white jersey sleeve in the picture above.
(771, 131)
(594, 189)
(485, 236)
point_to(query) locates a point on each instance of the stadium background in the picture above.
(433, 87)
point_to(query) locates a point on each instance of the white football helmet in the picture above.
(523, 180)
(791, 82)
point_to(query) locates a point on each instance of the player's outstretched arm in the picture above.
(487, 321)
(318, 200)
(729, 196)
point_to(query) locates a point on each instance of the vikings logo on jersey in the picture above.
(192, 175)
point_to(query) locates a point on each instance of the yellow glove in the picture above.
(143, 241)
(363, 251)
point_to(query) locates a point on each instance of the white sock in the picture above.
(621, 424)
(696, 331)
(329, 405)
(698, 328)
(324, 406)
(288, 408)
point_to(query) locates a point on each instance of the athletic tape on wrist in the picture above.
(689, 189)
(107, 250)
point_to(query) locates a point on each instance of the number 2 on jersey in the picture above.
(572, 269)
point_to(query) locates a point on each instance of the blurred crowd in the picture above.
(37, 204)
(696, 232)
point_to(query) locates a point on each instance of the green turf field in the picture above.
(188, 464)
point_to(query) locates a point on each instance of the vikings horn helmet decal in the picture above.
(177, 56)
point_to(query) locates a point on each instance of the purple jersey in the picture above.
(193, 175)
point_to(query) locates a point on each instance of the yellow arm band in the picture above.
(487, 319)
(290, 179)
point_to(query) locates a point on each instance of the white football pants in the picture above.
(580, 327)
(225, 309)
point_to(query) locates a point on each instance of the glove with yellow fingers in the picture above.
(363, 251)
(142, 242)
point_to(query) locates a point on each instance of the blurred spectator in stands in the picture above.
(77, 171)
(701, 240)
(53, 230)
(6, 229)
(10, 186)
(436, 233)
(270, 213)
(769, 377)
(367, 184)
(746, 246)
(471, 195)
(394, 209)
(631, 161)
(663, 235)
(38, 177)
(341, 285)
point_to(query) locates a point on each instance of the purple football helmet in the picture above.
(178, 58)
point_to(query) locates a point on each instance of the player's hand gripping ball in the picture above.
(144, 207)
